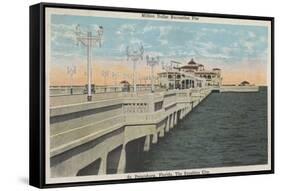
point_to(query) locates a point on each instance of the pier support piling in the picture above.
(167, 128)
(102, 169)
(122, 161)
(155, 138)
(162, 132)
(175, 118)
(171, 121)
(147, 143)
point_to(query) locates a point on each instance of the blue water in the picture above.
(226, 129)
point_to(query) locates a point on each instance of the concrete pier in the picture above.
(238, 89)
(96, 137)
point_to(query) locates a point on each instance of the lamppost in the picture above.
(176, 63)
(114, 77)
(172, 64)
(89, 40)
(134, 53)
(105, 74)
(71, 70)
(125, 76)
(127, 80)
(167, 68)
(152, 61)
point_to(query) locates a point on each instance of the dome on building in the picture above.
(191, 65)
(244, 83)
(192, 62)
(124, 82)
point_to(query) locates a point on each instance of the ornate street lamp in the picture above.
(152, 61)
(167, 67)
(134, 54)
(71, 70)
(175, 65)
(89, 40)
(105, 74)
(115, 76)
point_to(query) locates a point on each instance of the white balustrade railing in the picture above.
(135, 108)
(77, 89)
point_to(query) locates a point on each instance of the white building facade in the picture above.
(190, 75)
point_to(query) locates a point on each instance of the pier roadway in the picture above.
(100, 137)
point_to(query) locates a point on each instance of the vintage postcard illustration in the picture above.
(137, 95)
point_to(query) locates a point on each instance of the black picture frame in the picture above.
(37, 94)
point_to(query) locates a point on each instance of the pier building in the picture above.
(189, 76)
(213, 77)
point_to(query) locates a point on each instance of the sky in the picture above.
(239, 50)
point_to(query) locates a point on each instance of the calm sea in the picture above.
(226, 129)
